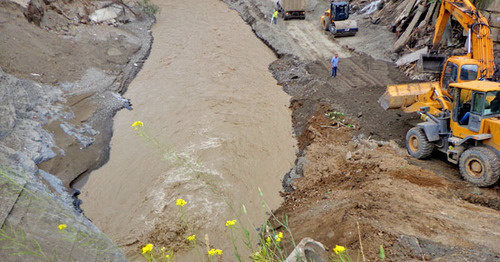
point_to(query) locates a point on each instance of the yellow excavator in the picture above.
(461, 112)
(336, 20)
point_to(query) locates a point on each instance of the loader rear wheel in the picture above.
(417, 144)
(480, 166)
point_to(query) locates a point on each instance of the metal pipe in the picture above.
(469, 41)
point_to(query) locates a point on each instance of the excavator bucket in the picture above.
(431, 63)
(401, 96)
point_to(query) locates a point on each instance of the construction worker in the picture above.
(275, 16)
(335, 64)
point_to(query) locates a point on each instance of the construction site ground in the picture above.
(356, 168)
(359, 188)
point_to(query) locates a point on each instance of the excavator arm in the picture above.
(480, 39)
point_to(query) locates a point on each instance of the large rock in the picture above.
(108, 13)
(308, 250)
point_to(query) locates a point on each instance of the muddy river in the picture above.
(223, 126)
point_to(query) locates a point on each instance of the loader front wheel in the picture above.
(417, 144)
(325, 24)
(480, 166)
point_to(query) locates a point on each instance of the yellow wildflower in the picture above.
(213, 252)
(230, 223)
(280, 234)
(339, 249)
(62, 226)
(268, 241)
(181, 202)
(167, 256)
(137, 124)
(147, 248)
(192, 238)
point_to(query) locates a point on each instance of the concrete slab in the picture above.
(411, 57)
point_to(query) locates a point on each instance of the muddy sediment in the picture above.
(210, 100)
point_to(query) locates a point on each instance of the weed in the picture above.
(148, 8)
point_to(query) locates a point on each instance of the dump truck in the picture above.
(461, 112)
(292, 9)
(336, 20)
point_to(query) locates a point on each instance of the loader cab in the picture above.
(339, 11)
(475, 101)
(458, 69)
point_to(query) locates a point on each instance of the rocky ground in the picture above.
(63, 70)
(62, 79)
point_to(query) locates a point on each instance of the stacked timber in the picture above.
(491, 11)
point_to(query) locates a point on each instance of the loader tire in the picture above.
(326, 24)
(480, 166)
(417, 144)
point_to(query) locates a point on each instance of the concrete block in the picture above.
(411, 57)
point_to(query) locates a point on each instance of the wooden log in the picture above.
(403, 39)
(404, 14)
(428, 16)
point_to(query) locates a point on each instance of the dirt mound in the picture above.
(414, 213)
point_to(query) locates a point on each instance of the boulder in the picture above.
(308, 250)
(108, 13)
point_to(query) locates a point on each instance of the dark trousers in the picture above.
(334, 71)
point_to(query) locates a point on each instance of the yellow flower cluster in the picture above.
(137, 124)
(181, 202)
(147, 248)
(278, 237)
(192, 238)
(231, 223)
(339, 249)
(213, 252)
(62, 226)
(268, 241)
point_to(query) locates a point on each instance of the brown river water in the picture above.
(207, 95)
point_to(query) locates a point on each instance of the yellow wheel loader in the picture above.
(336, 20)
(461, 112)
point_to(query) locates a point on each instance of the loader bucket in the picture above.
(431, 63)
(401, 96)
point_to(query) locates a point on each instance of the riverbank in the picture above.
(62, 77)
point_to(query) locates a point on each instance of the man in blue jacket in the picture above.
(335, 64)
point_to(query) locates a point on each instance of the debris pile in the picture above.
(413, 22)
(60, 16)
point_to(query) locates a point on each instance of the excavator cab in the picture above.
(458, 69)
(336, 20)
